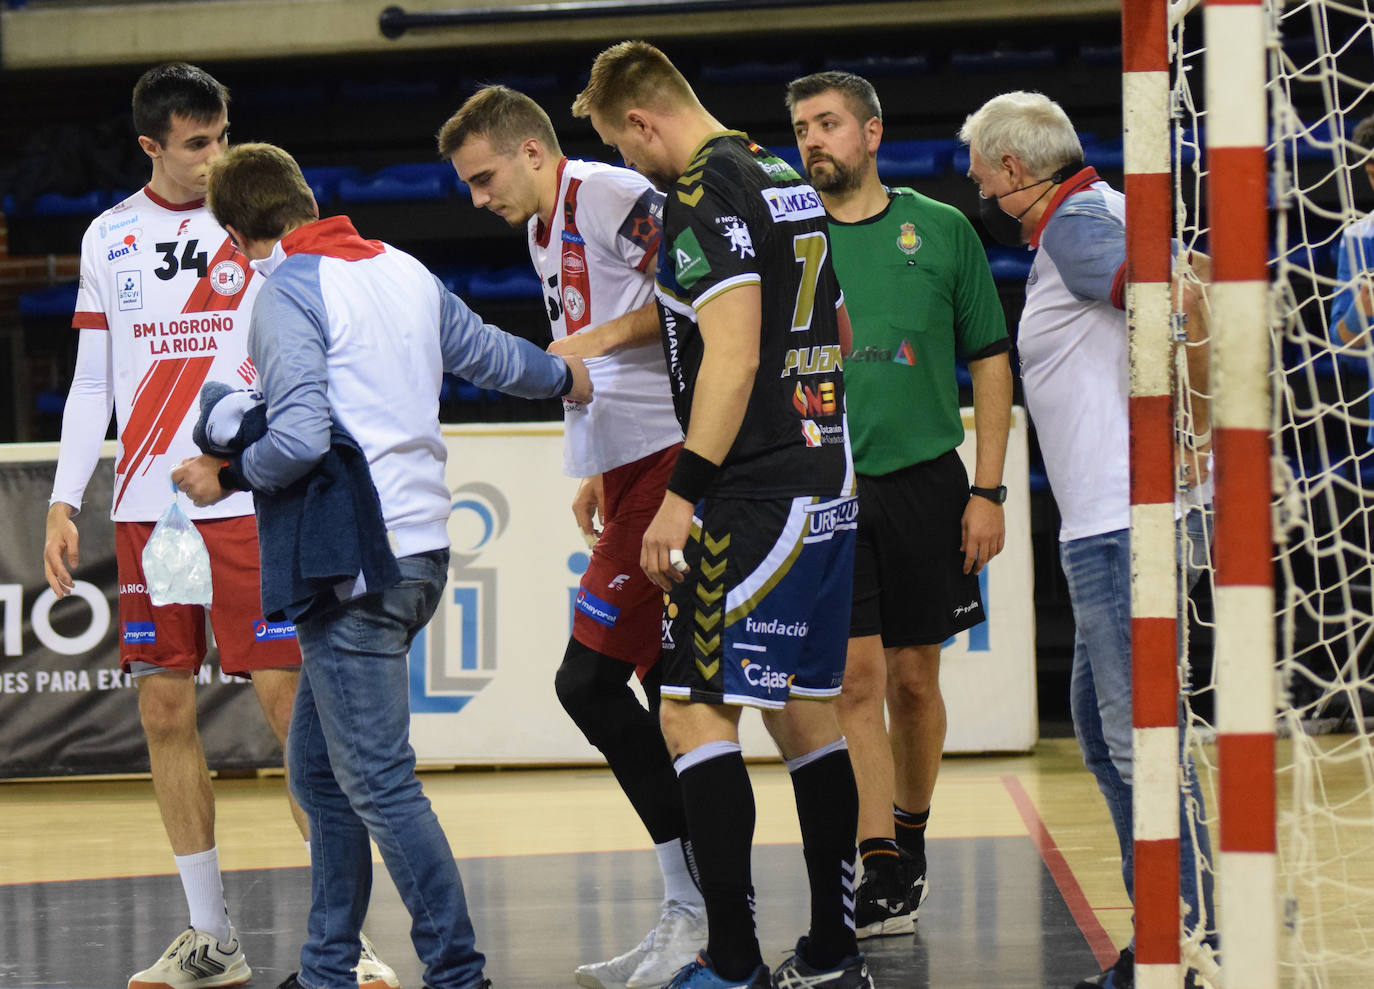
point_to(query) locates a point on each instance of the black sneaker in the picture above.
(914, 874)
(1120, 976)
(797, 973)
(882, 903)
(291, 982)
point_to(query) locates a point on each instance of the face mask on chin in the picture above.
(1005, 228)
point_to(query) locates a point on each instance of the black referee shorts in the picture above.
(909, 580)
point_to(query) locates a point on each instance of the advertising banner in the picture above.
(481, 672)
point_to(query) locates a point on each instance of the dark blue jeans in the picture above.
(353, 772)
(1098, 571)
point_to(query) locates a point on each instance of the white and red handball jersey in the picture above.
(167, 284)
(596, 261)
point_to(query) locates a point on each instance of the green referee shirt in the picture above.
(917, 286)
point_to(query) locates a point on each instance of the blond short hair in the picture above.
(259, 190)
(505, 117)
(630, 74)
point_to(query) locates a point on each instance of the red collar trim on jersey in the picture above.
(178, 207)
(333, 237)
(541, 230)
(1077, 182)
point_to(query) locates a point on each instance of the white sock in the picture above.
(204, 889)
(677, 880)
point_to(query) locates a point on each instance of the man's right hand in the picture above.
(582, 382)
(59, 549)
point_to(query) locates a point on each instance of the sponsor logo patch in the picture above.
(265, 631)
(227, 278)
(129, 288)
(573, 303)
(109, 227)
(794, 202)
(689, 261)
(125, 247)
(596, 609)
(139, 633)
(644, 224)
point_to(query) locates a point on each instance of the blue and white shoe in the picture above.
(797, 973)
(698, 974)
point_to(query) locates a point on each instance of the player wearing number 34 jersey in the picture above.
(167, 285)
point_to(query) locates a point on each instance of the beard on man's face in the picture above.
(834, 176)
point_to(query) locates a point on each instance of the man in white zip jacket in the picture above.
(353, 335)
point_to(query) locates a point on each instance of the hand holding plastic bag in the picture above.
(176, 564)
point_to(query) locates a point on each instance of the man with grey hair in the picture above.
(920, 296)
(1034, 189)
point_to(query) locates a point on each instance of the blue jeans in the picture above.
(353, 772)
(1098, 571)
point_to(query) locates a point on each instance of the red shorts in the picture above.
(619, 612)
(173, 637)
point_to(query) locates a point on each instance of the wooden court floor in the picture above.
(1026, 887)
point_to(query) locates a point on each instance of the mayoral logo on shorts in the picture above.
(228, 278)
(907, 239)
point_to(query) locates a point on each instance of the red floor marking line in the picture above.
(1077, 903)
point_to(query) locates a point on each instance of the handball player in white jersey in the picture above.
(594, 232)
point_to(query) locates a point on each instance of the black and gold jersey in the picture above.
(739, 215)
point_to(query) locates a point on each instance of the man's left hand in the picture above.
(198, 477)
(984, 532)
(670, 530)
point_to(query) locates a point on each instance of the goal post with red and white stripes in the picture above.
(1244, 181)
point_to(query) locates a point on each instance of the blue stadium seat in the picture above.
(53, 204)
(517, 282)
(455, 279)
(916, 159)
(1103, 154)
(1009, 264)
(58, 301)
(1001, 59)
(880, 65)
(734, 73)
(430, 180)
(324, 180)
(791, 155)
(961, 160)
(49, 402)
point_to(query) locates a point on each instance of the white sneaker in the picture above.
(196, 961)
(373, 973)
(680, 934)
(614, 973)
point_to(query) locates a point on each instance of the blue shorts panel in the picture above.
(763, 614)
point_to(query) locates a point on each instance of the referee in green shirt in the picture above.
(919, 294)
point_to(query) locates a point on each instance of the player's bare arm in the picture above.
(984, 525)
(638, 328)
(60, 554)
(730, 326)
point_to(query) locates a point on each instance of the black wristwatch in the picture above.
(997, 495)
